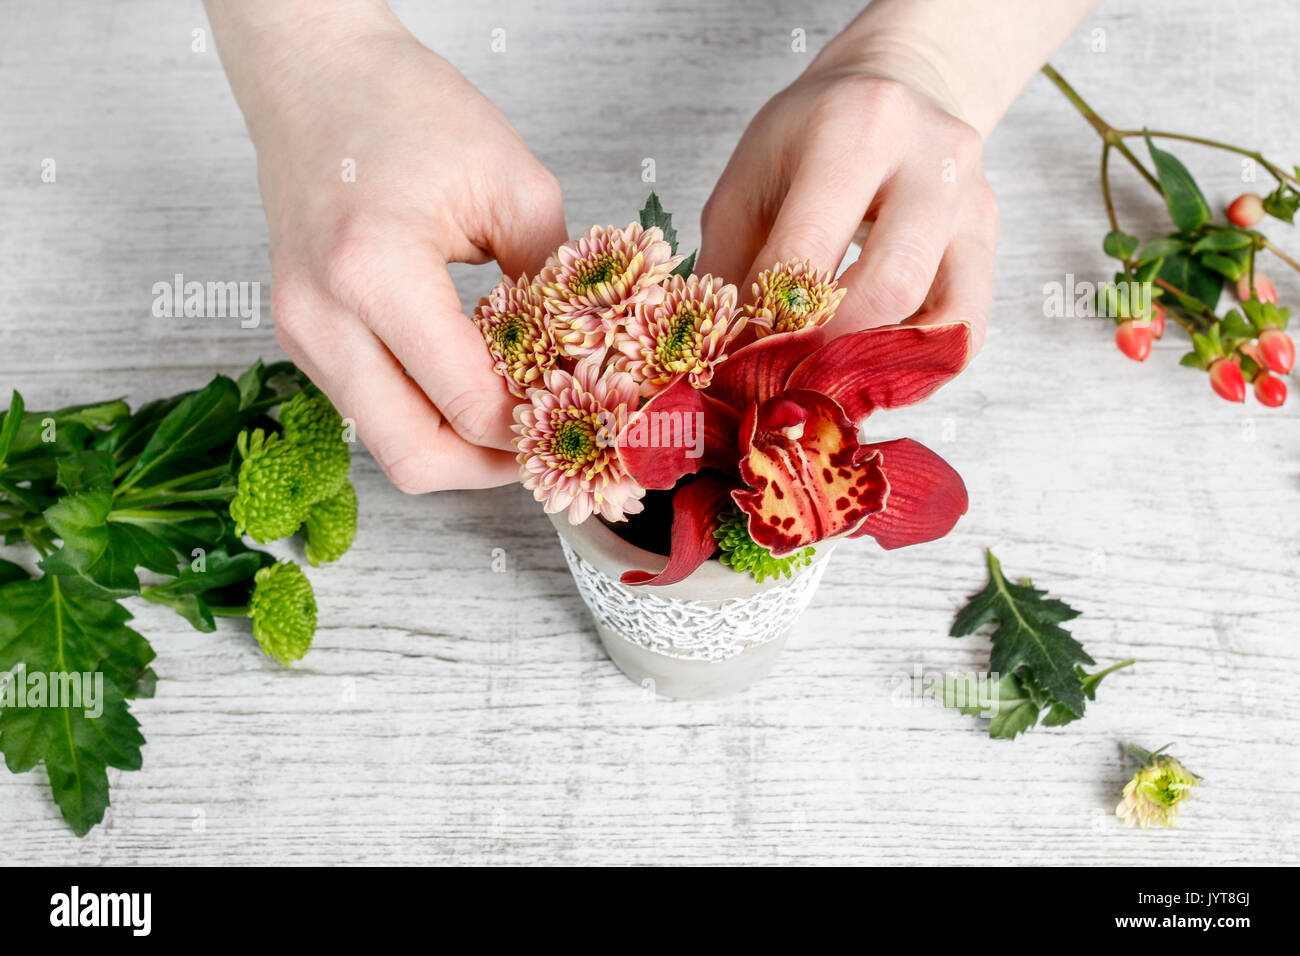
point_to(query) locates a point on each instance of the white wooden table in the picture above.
(452, 713)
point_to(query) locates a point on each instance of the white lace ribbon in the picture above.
(694, 630)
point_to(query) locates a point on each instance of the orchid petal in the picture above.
(926, 496)
(885, 367)
(758, 371)
(676, 433)
(696, 507)
(808, 481)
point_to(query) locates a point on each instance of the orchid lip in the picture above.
(782, 415)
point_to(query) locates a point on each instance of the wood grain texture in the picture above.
(449, 713)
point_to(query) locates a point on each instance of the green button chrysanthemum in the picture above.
(275, 487)
(283, 611)
(312, 423)
(331, 526)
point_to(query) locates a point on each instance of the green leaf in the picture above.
(48, 626)
(12, 572)
(686, 266)
(1229, 268)
(1160, 248)
(1119, 245)
(652, 214)
(86, 470)
(1184, 272)
(1235, 326)
(1224, 240)
(1028, 634)
(1010, 707)
(201, 421)
(9, 429)
(1187, 206)
(185, 594)
(1147, 272)
(1282, 203)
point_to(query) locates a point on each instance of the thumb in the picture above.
(531, 228)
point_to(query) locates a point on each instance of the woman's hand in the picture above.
(379, 164)
(844, 146)
(886, 127)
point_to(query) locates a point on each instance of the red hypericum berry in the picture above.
(1276, 351)
(1134, 340)
(1264, 288)
(1227, 381)
(1270, 390)
(1246, 210)
(1157, 321)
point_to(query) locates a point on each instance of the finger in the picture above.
(892, 276)
(830, 193)
(416, 449)
(734, 223)
(523, 241)
(403, 293)
(963, 287)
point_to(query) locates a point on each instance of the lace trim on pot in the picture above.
(694, 630)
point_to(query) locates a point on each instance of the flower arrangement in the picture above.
(634, 373)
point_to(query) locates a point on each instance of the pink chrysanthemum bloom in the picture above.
(793, 295)
(514, 325)
(685, 333)
(593, 281)
(566, 439)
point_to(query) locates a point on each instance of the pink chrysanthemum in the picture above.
(514, 325)
(685, 333)
(566, 439)
(593, 281)
(793, 295)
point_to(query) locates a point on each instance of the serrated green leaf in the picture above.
(1028, 634)
(1058, 714)
(1187, 206)
(652, 214)
(686, 266)
(47, 626)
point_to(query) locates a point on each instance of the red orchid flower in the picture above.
(780, 440)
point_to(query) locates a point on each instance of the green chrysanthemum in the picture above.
(331, 526)
(275, 487)
(283, 611)
(742, 553)
(311, 422)
(1153, 795)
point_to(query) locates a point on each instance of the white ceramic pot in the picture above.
(710, 635)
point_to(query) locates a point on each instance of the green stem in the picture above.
(205, 494)
(219, 611)
(1280, 254)
(1108, 133)
(1109, 670)
(1277, 172)
(214, 472)
(158, 515)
